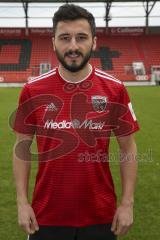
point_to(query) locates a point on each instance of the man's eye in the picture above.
(65, 38)
(81, 38)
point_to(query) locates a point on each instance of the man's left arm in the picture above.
(123, 218)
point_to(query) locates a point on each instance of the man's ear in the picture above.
(53, 42)
(94, 43)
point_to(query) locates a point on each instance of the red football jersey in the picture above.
(73, 123)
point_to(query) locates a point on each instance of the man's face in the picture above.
(73, 44)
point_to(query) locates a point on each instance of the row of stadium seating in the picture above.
(20, 58)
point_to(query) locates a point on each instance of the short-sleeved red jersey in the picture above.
(73, 123)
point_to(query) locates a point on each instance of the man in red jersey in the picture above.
(73, 111)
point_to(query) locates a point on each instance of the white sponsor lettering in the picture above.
(92, 125)
(142, 77)
(130, 30)
(50, 124)
(127, 30)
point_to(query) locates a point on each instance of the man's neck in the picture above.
(77, 76)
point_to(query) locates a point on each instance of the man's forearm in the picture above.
(21, 170)
(123, 218)
(128, 169)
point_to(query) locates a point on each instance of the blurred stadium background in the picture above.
(128, 48)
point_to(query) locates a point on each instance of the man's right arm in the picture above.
(21, 171)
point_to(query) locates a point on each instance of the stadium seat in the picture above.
(21, 58)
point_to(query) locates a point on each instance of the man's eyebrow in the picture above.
(84, 34)
(67, 34)
(63, 34)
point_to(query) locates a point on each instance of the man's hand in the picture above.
(123, 219)
(27, 219)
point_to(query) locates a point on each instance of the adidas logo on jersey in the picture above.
(51, 107)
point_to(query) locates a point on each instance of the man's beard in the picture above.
(74, 67)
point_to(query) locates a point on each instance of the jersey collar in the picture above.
(90, 75)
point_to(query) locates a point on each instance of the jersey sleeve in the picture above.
(126, 118)
(24, 117)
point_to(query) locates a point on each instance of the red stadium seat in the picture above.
(126, 50)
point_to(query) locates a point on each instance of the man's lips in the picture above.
(73, 55)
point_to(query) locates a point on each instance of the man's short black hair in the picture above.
(73, 12)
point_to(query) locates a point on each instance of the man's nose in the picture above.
(73, 44)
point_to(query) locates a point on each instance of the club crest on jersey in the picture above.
(99, 103)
